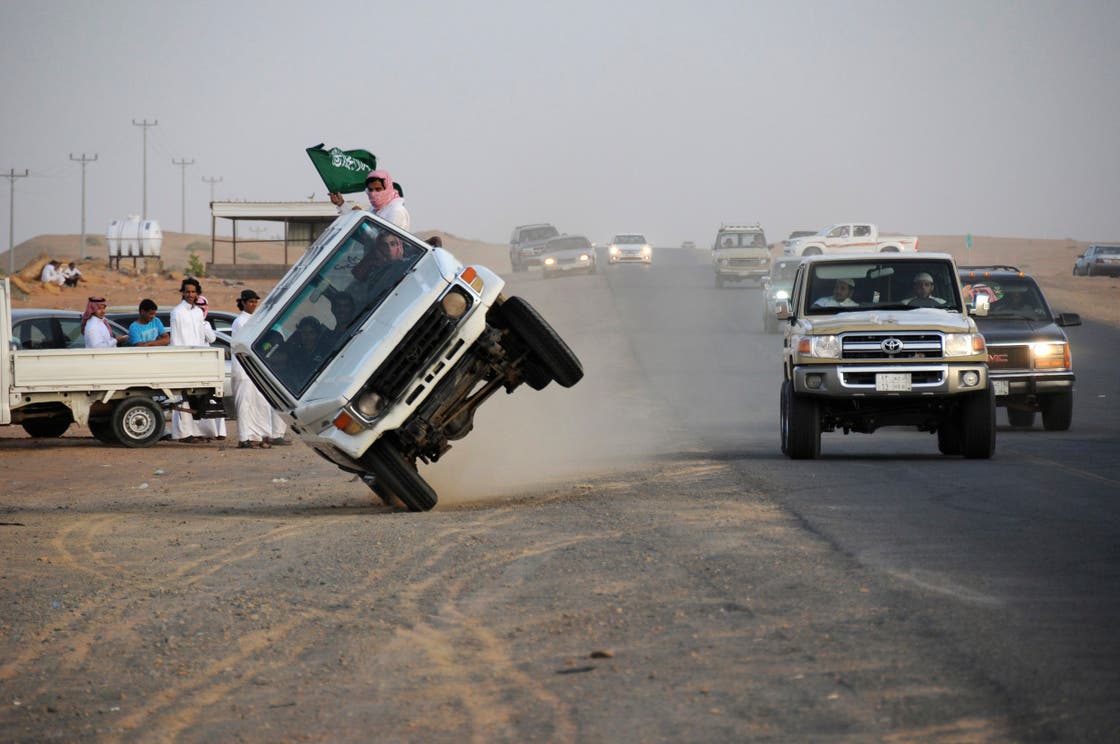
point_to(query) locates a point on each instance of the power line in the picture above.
(84, 160)
(145, 124)
(183, 164)
(211, 181)
(11, 175)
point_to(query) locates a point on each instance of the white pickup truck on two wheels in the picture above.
(398, 380)
(122, 395)
(850, 237)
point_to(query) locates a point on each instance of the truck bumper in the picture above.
(872, 381)
(1026, 386)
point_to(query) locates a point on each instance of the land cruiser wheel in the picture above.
(1020, 418)
(803, 426)
(1057, 411)
(49, 428)
(137, 421)
(783, 417)
(949, 439)
(399, 476)
(548, 349)
(102, 429)
(978, 425)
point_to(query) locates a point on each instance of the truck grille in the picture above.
(891, 346)
(1009, 357)
(747, 261)
(413, 353)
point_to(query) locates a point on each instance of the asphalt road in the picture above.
(628, 560)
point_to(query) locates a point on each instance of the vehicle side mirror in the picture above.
(782, 310)
(1069, 319)
(981, 305)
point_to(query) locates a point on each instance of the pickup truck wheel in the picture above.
(398, 476)
(137, 421)
(978, 425)
(1020, 418)
(548, 349)
(949, 439)
(1057, 411)
(48, 428)
(535, 375)
(803, 426)
(102, 429)
(783, 416)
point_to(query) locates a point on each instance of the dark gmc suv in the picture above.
(1029, 362)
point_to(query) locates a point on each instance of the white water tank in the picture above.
(134, 237)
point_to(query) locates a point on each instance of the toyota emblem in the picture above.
(891, 345)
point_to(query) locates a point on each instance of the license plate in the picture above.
(1001, 387)
(892, 382)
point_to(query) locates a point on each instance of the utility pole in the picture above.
(183, 164)
(84, 160)
(11, 175)
(145, 124)
(211, 181)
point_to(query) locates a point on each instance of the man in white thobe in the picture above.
(188, 328)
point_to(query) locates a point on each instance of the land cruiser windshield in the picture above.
(741, 240)
(882, 285)
(354, 277)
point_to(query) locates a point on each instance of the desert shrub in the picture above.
(195, 267)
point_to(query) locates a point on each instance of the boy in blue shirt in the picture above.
(148, 330)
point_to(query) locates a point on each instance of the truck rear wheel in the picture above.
(137, 421)
(1020, 418)
(48, 428)
(102, 429)
(1057, 411)
(802, 426)
(398, 477)
(546, 346)
(978, 425)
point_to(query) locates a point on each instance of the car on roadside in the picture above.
(1098, 260)
(568, 254)
(1029, 363)
(777, 286)
(630, 248)
(42, 328)
(795, 236)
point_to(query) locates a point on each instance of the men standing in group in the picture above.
(189, 328)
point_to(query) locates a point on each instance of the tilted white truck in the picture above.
(120, 394)
(850, 237)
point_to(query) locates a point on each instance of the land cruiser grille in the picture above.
(882, 346)
(1009, 357)
(747, 261)
(413, 353)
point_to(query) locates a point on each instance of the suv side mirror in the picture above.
(1069, 319)
(981, 305)
(782, 310)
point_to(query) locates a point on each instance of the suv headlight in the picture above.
(613, 250)
(646, 250)
(819, 347)
(963, 344)
(1050, 355)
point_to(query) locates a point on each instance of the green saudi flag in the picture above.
(342, 171)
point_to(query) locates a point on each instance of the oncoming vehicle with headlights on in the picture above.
(777, 286)
(630, 248)
(884, 341)
(377, 348)
(568, 254)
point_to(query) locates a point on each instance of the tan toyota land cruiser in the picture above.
(883, 340)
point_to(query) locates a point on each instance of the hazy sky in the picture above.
(987, 116)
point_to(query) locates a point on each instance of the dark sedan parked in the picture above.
(1029, 362)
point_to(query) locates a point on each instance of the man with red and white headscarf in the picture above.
(384, 200)
(95, 329)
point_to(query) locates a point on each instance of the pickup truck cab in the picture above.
(397, 378)
(849, 237)
(739, 253)
(120, 394)
(884, 340)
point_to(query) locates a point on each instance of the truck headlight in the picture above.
(550, 261)
(584, 258)
(369, 404)
(963, 344)
(1050, 355)
(646, 250)
(820, 347)
(613, 250)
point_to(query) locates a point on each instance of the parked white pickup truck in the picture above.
(121, 394)
(850, 237)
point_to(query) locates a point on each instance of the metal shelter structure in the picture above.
(303, 222)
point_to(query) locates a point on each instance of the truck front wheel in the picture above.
(978, 425)
(137, 421)
(1057, 411)
(546, 346)
(398, 477)
(802, 425)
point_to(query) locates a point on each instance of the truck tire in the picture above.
(137, 421)
(949, 438)
(783, 413)
(49, 428)
(1020, 418)
(802, 427)
(102, 429)
(398, 476)
(546, 346)
(978, 425)
(1057, 411)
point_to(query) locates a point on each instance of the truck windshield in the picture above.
(835, 287)
(355, 275)
(741, 240)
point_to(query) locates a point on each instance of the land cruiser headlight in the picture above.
(963, 344)
(820, 347)
(613, 250)
(369, 404)
(550, 261)
(454, 304)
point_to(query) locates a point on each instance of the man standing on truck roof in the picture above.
(189, 328)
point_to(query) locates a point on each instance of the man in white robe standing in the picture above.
(188, 328)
